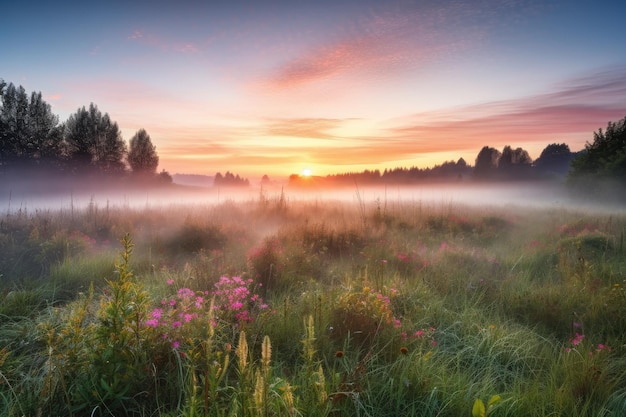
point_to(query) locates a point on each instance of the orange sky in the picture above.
(333, 86)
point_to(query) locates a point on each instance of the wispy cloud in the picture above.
(386, 40)
(318, 128)
(576, 107)
(161, 43)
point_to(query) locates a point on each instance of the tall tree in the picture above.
(514, 163)
(554, 160)
(94, 141)
(142, 156)
(486, 162)
(604, 159)
(28, 129)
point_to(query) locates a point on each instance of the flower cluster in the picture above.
(232, 300)
(578, 339)
(235, 300)
(183, 309)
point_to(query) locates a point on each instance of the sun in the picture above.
(306, 172)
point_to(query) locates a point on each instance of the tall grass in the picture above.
(322, 308)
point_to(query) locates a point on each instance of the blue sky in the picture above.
(274, 87)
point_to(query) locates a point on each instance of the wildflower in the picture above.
(339, 354)
(156, 313)
(170, 281)
(576, 340)
(175, 344)
(176, 324)
(152, 323)
(492, 326)
(434, 343)
(404, 350)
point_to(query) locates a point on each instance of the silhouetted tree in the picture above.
(229, 179)
(29, 132)
(486, 162)
(94, 141)
(165, 177)
(555, 160)
(142, 156)
(514, 163)
(603, 160)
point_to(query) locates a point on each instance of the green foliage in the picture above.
(479, 409)
(601, 167)
(192, 238)
(420, 313)
(94, 141)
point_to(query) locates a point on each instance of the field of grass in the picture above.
(273, 307)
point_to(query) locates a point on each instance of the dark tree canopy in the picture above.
(514, 163)
(29, 131)
(486, 162)
(554, 160)
(93, 140)
(142, 156)
(605, 157)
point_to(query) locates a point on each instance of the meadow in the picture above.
(284, 307)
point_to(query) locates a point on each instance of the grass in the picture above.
(312, 308)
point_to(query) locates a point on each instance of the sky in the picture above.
(276, 87)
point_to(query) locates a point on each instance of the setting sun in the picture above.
(306, 172)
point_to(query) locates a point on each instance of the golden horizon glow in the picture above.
(362, 85)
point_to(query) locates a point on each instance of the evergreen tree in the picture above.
(94, 142)
(29, 130)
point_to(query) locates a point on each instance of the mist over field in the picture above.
(403, 300)
(15, 196)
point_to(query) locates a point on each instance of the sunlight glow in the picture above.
(306, 172)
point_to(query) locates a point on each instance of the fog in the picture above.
(23, 197)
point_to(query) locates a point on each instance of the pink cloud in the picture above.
(576, 108)
(378, 44)
(54, 97)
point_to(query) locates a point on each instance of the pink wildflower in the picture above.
(152, 323)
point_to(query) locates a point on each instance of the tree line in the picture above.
(598, 170)
(88, 143)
